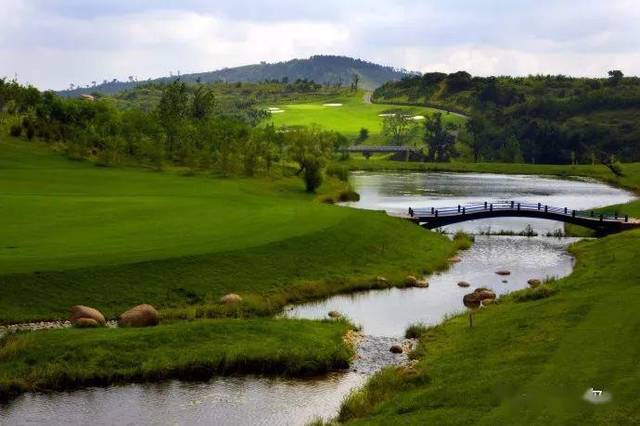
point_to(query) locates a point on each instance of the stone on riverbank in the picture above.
(454, 259)
(334, 314)
(503, 272)
(80, 311)
(534, 282)
(479, 295)
(230, 298)
(463, 284)
(86, 323)
(140, 316)
(396, 349)
(381, 280)
(412, 281)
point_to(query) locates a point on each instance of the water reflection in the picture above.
(396, 192)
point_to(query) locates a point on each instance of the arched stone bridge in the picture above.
(431, 218)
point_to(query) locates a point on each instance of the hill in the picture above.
(323, 69)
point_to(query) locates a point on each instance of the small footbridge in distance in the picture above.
(435, 217)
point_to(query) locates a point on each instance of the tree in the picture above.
(615, 77)
(355, 79)
(203, 103)
(438, 139)
(398, 128)
(363, 135)
(310, 148)
(172, 111)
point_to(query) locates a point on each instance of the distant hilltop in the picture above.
(324, 69)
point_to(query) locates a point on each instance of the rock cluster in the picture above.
(478, 297)
(412, 281)
(86, 317)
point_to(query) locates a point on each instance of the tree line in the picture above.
(540, 119)
(188, 127)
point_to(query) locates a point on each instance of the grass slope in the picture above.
(349, 118)
(528, 362)
(78, 234)
(62, 359)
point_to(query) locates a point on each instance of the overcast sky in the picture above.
(52, 43)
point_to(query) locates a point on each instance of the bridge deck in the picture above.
(436, 217)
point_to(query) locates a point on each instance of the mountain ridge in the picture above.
(324, 69)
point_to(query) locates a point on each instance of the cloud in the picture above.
(52, 43)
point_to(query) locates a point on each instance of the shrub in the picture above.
(15, 130)
(339, 172)
(463, 240)
(541, 292)
(312, 175)
(415, 331)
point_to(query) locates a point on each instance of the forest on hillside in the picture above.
(534, 119)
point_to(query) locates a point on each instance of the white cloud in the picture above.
(55, 42)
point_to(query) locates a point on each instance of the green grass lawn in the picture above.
(74, 233)
(528, 362)
(61, 359)
(349, 118)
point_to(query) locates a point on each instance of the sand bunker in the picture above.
(332, 105)
(418, 117)
(275, 110)
(386, 115)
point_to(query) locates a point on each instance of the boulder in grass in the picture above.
(396, 349)
(230, 298)
(534, 282)
(140, 316)
(464, 284)
(86, 323)
(503, 272)
(80, 311)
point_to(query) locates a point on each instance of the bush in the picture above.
(312, 175)
(540, 292)
(15, 130)
(415, 331)
(339, 172)
(463, 240)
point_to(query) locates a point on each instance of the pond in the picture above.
(383, 314)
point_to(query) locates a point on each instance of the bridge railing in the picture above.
(514, 206)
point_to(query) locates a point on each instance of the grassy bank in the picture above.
(63, 359)
(111, 238)
(529, 359)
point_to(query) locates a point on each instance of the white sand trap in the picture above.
(386, 115)
(276, 111)
(418, 117)
(332, 105)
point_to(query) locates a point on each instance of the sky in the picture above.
(53, 43)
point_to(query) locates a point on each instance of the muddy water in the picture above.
(383, 314)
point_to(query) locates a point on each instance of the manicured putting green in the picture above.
(348, 116)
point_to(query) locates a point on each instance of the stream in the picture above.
(383, 314)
